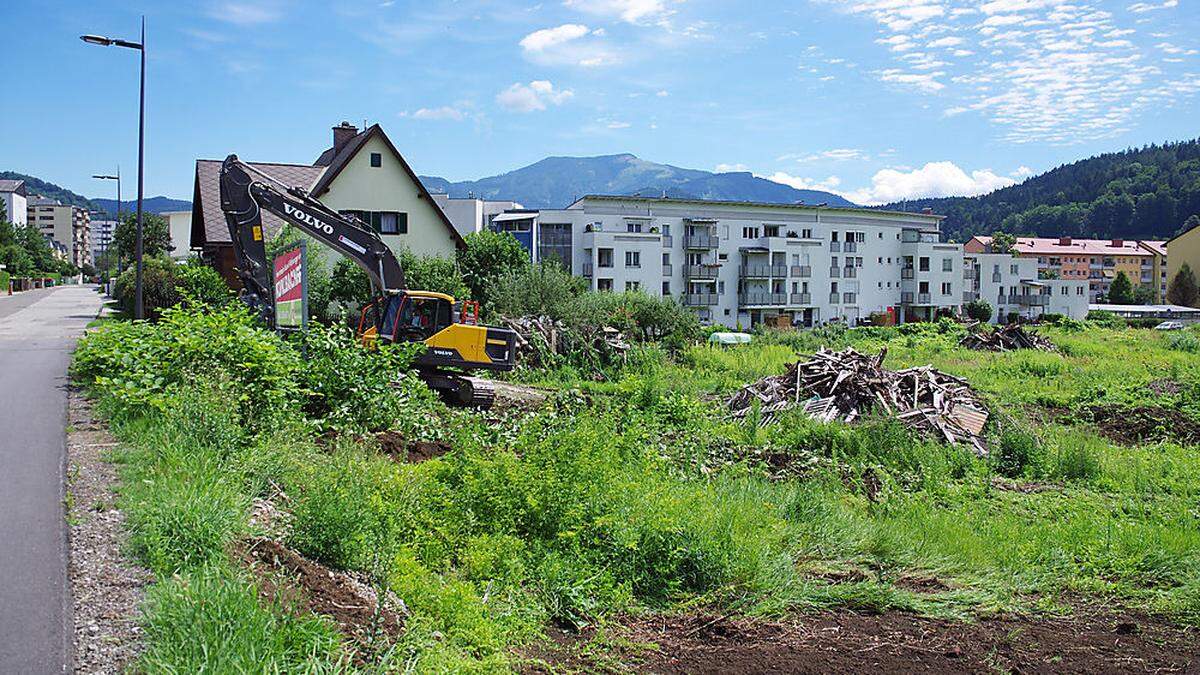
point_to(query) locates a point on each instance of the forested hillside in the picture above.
(1145, 193)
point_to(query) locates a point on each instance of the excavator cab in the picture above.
(449, 331)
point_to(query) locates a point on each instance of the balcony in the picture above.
(907, 273)
(667, 269)
(968, 296)
(1035, 300)
(758, 271)
(970, 273)
(850, 273)
(906, 297)
(834, 298)
(801, 299)
(752, 298)
(835, 272)
(1014, 299)
(587, 269)
(1002, 299)
(835, 247)
(700, 299)
(850, 247)
(701, 272)
(668, 241)
(701, 241)
(924, 299)
(850, 298)
(801, 271)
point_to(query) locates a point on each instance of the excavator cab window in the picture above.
(421, 317)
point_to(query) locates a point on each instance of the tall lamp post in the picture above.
(117, 217)
(141, 47)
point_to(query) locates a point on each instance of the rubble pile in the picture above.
(847, 385)
(541, 336)
(1005, 338)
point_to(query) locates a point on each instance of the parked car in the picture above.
(1169, 325)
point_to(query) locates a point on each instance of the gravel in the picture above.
(106, 586)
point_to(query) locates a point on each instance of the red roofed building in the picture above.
(1096, 260)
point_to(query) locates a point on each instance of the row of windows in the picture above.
(383, 222)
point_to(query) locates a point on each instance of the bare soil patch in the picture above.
(106, 586)
(1131, 426)
(401, 449)
(1091, 641)
(308, 586)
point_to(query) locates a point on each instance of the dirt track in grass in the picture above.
(1089, 641)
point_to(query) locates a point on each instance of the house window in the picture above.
(376, 159)
(947, 265)
(924, 264)
(945, 288)
(666, 288)
(1012, 269)
(393, 222)
(633, 226)
(604, 284)
(633, 259)
(666, 259)
(749, 233)
(771, 230)
(605, 259)
(632, 286)
(806, 233)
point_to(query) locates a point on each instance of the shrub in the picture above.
(1185, 340)
(1016, 451)
(159, 287)
(979, 310)
(198, 284)
(542, 289)
(1075, 461)
(488, 257)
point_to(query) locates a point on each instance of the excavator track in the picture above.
(482, 393)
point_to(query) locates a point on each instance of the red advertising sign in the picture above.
(291, 289)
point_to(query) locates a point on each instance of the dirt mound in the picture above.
(1131, 426)
(844, 642)
(414, 452)
(1165, 386)
(308, 585)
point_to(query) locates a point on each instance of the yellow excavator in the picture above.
(455, 341)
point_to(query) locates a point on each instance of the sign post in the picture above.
(291, 290)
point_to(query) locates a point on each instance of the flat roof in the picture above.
(770, 205)
(1179, 309)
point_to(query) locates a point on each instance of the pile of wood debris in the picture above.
(540, 336)
(1005, 338)
(847, 385)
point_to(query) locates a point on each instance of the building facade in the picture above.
(16, 202)
(1098, 261)
(741, 264)
(1011, 285)
(1185, 250)
(472, 214)
(103, 228)
(69, 226)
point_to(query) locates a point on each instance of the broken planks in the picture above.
(847, 385)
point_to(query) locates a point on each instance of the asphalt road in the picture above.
(37, 332)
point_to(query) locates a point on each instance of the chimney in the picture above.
(1064, 241)
(342, 134)
(1118, 243)
(927, 211)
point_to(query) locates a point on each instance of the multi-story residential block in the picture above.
(1185, 250)
(741, 263)
(103, 227)
(472, 214)
(1098, 261)
(1011, 285)
(1159, 250)
(179, 226)
(16, 203)
(68, 225)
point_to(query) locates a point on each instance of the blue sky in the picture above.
(875, 99)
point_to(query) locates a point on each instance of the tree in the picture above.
(433, 273)
(1183, 289)
(156, 236)
(488, 257)
(1192, 221)
(1143, 295)
(1003, 242)
(979, 310)
(1121, 290)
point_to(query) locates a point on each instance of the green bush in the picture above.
(979, 310)
(1016, 452)
(200, 285)
(159, 287)
(1185, 340)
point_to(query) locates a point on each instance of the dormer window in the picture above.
(376, 159)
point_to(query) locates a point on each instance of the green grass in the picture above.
(640, 497)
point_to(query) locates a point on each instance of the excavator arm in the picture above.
(247, 192)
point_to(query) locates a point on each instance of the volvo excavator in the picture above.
(455, 342)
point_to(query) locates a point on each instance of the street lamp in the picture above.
(117, 217)
(141, 47)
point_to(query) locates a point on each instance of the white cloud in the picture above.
(800, 183)
(662, 93)
(536, 95)
(1022, 172)
(935, 179)
(832, 155)
(923, 82)
(541, 40)
(1143, 7)
(726, 168)
(246, 13)
(945, 42)
(617, 124)
(630, 11)
(443, 113)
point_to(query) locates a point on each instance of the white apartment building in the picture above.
(16, 204)
(743, 263)
(1011, 285)
(68, 225)
(471, 214)
(103, 229)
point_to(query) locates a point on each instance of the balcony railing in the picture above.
(701, 241)
(667, 269)
(907, 273)
(801, 271)
(700, 271)
(970, 273)
(700, 299)
(923, 299)
(762, 298)
(754, 271)
(968, 296)
(906, 297)
(835, 272)
(801, 298)
(835, 247)
(1035, 300)
(850, 247)
(834, 298)
(668, 241)
(1014, 299)
(850, 298)
(587, 269)
(850, 273)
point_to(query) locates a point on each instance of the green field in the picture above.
(635, 494)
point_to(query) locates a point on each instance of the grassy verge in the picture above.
(637, 497)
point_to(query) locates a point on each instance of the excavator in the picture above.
(455, 342)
